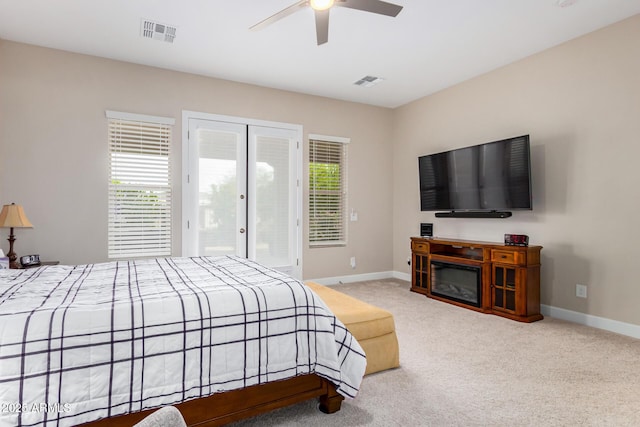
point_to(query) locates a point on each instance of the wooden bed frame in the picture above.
(223, 408)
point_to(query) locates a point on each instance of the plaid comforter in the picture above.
(79, 343)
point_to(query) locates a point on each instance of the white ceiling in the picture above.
(430, 45)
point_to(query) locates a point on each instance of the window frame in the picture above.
(339, 146)
(146, 166)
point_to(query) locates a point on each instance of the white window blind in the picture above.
(327, 193)
(139, 186)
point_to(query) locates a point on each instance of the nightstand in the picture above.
(23, 267)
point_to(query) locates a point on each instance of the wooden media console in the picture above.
(483, 276)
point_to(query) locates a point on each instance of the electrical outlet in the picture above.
(353, 262)
(581, 291)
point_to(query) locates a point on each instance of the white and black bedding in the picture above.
(80, 343)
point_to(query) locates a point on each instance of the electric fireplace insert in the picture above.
(457, 282)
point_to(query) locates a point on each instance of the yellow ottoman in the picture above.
(372, 326)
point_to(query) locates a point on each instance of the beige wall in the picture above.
(53, 149)
(580, 102)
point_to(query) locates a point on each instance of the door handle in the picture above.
(242, 230)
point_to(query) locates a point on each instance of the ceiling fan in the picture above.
(321, 9)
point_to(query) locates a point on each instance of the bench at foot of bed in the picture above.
(373, 327)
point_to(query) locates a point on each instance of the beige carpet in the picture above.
(462, 368)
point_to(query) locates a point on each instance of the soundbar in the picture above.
(473, 214)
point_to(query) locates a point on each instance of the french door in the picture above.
(241, 193)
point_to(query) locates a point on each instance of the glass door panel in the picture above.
(272, 205)
(218, 152)
(241, 193)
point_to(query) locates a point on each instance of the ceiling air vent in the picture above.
(368, 81)
(158, 31)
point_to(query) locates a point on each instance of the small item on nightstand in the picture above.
(30, 260)
(516, 240)
(4, 261)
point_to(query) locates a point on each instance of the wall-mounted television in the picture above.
(481, 180)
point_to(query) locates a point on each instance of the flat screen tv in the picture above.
(490, 177)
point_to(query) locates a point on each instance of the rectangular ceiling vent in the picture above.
(158, 31)
(368, 81)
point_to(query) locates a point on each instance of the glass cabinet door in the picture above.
(422, 271)
(504, 288)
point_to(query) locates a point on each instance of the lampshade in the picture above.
(12, 216)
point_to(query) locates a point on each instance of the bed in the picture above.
(220, 337)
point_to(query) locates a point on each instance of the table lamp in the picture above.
(12, 216)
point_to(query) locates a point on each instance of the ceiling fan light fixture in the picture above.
(321, 4)
(321, 9)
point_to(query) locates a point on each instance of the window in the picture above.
(139, 185)
(327, 190)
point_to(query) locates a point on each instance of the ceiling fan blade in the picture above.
(373, 6)
(322, 26)
(282, 14)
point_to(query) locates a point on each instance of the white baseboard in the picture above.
(547, 310)
(402, 276)
(328, 281)
(590, 320)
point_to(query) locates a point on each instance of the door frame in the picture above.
(184, 178)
